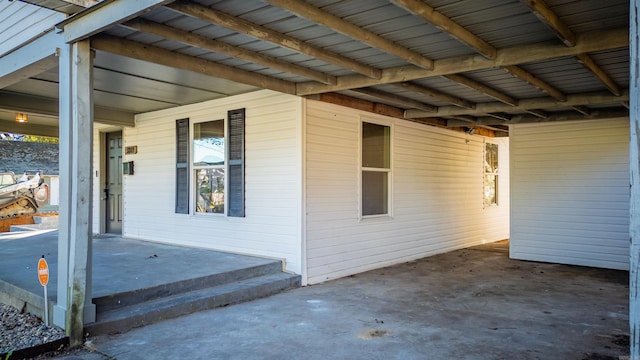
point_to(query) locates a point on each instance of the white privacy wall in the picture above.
(437, 194)
(273, 163)
(570, 193)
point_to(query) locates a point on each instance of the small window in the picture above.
(209, 166)
(490, 174)
(376, 168)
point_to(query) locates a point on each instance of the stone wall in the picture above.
(18, 156)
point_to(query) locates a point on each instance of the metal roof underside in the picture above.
(454, 63)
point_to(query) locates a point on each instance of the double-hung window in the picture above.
(215, 175)
(490, 174)
(209, 166)
(376, 169)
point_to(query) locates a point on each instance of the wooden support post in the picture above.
(634, 165)
(74, 242)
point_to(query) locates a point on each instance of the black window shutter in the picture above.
(235, 126)
(182, 166)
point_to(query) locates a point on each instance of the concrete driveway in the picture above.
(467, 304)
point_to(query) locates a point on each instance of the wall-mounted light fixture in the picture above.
(21, 118)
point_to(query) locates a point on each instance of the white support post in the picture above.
(634, 165)
(64, 214)
(74, 242)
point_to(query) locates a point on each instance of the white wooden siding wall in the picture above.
(437, 194)
(570, 193)
(273, 188)
(21, 22)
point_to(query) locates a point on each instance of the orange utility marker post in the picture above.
(43, 276)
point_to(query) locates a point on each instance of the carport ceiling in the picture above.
(455, 63)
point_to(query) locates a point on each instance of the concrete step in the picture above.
(138, 296)
(125, 318)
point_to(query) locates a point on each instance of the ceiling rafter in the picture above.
(206, 43)
(260, 32)
(435, 17)
(586, 42)
(544, 13)
(539, 113)
(582, 109)
(317, 15)
(464, 119)
(574, 100)
(487, 90)
(476, 43)
(525, 118)
(564, 33)
(590, 64)
(335, 23)
(453, 100)
(166, 57)
(500, 116)
(536, 82)
(400, 100)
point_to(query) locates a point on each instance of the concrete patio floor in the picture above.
(468, 304)
(119, 266)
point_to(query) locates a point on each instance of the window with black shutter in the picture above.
(235, 127)
(182, 166)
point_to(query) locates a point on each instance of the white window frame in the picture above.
(495, 174)
(389, 171)
(193, 168)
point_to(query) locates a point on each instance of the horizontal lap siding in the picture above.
(437, 195)
(570, 193)
(272, 186)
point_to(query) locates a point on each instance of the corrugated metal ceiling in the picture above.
(502, 24)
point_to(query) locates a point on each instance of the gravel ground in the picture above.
(20, 331)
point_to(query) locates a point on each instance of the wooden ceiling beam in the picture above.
(481, 121)
(335, 23)
(398, 100)
(453, 100)
(206, 43)
(475, 42)
(582, 110)
(586, 42)
(260, 32)
(166, 57)
(503, 117)
(536, 82)
(601, 114)
(525, 119)
(540, 9)
(470, 83)
(527, 104)
(564, 33)
(463, 119)
(604, 78)
(539, 113)
(435, 17)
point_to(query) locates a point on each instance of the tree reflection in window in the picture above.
(208, 164)
(491, 174)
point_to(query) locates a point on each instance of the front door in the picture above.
(113, 191)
